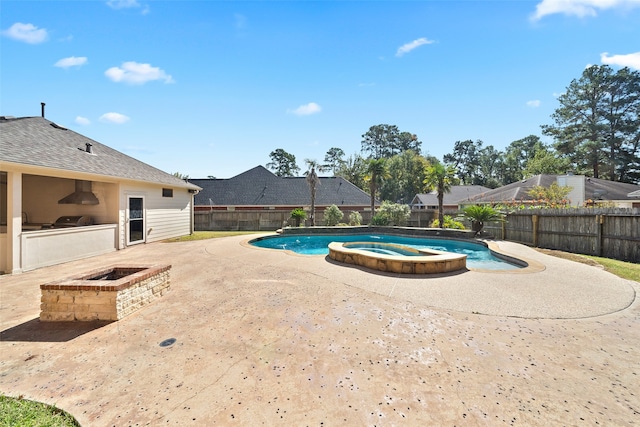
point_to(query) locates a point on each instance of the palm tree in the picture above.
(479, 214)
(313, 181)
(376, 173)
(440, 178)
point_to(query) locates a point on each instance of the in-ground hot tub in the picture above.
(105, 294)
(397, 258)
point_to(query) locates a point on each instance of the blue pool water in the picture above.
(478, 256)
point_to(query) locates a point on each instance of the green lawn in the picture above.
(26, 413)
(626, 270)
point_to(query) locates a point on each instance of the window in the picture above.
(167, 192)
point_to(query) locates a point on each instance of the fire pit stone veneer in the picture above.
(105, 294)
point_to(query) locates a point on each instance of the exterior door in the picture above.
(135, 221)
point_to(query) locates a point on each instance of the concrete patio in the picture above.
(265, 337)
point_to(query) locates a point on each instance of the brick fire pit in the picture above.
(106, 294)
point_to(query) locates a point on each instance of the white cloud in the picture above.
(128, 4)
(122, 4)
(116, 118)
(306, 110)
(137, 74)
(631, 60)
(82, 121)
(27, 33)
(408, 47)
(72, 61)
(579, 8)
(535, 103)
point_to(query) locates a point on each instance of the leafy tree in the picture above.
(381, 141)
(409, 141)
(283, 163)
(490, 168)
(546, 161)
(441, 178)
(465, 159)
(623, 132)
(334, 159)
(406, 176)
(517, 155)
(384, 141)
(597, 124)
(332, 215)
(479, 214)
(376, 173)
(354, 170)
(394, 213)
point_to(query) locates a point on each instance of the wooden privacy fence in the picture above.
(610, 233)
(271, 220)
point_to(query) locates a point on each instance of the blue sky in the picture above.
(212, 87)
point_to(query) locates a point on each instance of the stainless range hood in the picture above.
(82, 195)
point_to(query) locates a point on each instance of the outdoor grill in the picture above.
(72, 221)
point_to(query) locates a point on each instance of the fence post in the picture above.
(534, 218)
(599, 226)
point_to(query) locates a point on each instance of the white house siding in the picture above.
(165, 217)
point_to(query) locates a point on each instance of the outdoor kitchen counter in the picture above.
(51, 246)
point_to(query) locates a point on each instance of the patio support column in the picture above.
(14, 222)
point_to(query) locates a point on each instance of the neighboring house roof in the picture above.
(458, 194)
(595, 189)
(260, 187)
(37, 141)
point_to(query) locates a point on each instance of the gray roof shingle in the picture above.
(594, 188)
(37, 141)
(458, 194)
(260, 187)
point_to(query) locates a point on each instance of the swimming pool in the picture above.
(478, 255)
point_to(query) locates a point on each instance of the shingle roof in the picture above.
(594, 189)
(458, 194)
(259, 187)
(37, 141)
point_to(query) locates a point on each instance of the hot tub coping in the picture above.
(432, 262)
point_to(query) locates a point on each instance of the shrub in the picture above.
(332, 215)
(379, 219)
(298, 214)
(355, 218)
(479, 214)
(395, 213)
(448, 223)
